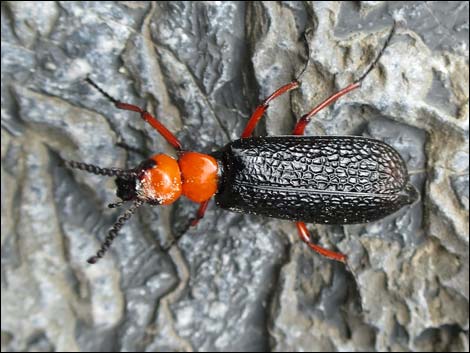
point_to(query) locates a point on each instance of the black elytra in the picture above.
(314, 179)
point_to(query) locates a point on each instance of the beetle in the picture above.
(316, 179)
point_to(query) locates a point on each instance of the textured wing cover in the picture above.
(316, 179)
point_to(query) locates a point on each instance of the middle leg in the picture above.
(258, 113)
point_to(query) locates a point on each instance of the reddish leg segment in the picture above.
(305, 237)
(304, 120)
(200, 213)
(172, 140)
(258, 113)
(193, 222)
(299, 128)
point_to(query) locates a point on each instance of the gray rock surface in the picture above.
(236, 282)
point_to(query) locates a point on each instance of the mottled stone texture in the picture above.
(236, 282)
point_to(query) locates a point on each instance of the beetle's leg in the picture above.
(305, 119)
(299, 128)
(193, 222)
(258, 113)
(171, 139)
(200, 213)
(305, 236)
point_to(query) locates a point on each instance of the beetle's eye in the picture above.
(126, 189)
(147, 164)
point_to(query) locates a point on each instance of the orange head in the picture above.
(156, 181)
(160, 183)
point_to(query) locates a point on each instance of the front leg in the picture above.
(200, 213)
(162, 130)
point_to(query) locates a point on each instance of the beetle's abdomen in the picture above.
(331, 179)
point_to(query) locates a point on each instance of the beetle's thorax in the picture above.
(193, 175)
(199, 175)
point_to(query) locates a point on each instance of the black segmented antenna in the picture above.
(102, 91)
(113, 232)
(369, 69)
(307, 46)
(121, 174)
(111, 172)
(379, 55)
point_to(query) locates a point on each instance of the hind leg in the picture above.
(299, 129)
